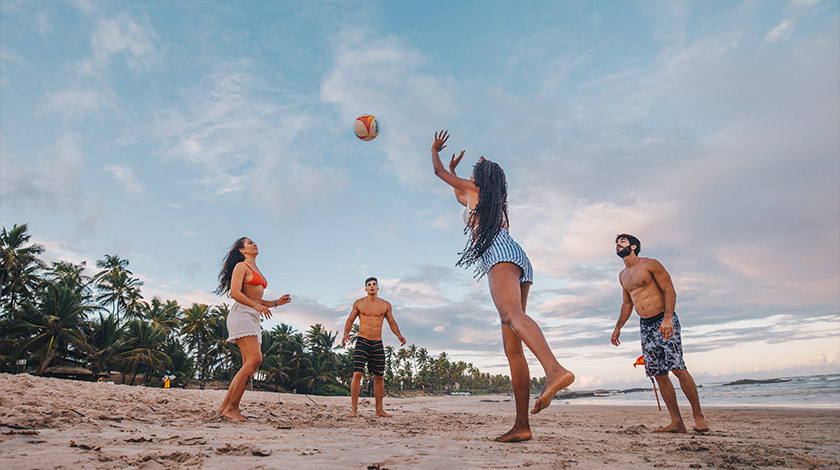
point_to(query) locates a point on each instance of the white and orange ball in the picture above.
(366, 127)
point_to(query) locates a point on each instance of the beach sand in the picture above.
(54, 423)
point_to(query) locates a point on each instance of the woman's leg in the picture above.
(251, 360)
(520, 377)
(506, 293)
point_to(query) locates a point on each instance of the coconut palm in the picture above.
(196, 327)
(162, 314)
(144, 349)
(55, 325)
(19, 266)
(71, 275)
(106, 339)
(118, 288)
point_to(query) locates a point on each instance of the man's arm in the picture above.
(348, 325)
(623, 316)
(663, 280)
(393, 324)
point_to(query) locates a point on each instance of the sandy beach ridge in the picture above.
(54, 423)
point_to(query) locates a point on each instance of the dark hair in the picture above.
(233, 257)
(371, 279)
(489, 215)
(633, 241)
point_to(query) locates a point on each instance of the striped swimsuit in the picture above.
(504, 249)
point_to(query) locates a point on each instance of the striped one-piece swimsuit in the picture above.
(504, 249)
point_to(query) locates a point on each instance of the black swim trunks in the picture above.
(661, 355)
(370, 352)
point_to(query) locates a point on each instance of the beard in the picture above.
(624, 252)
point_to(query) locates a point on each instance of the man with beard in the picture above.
(647, 286)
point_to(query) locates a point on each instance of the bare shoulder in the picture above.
(385, 303)
(651, 264)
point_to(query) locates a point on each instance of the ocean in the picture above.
(817, 391)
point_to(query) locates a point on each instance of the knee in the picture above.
(508, 316)
(378, 379)
(662, 378)
(357, 375)
(681, 374)
(251, 364)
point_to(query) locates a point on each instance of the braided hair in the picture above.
(489, 215)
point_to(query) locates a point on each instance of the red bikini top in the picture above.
(256, 279)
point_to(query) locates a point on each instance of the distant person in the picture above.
(242, 279)
(647, 285)
(510, 275)
(369, 350)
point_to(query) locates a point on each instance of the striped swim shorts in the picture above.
(505, 250)
(370, 352)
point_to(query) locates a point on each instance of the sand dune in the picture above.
(53, 423)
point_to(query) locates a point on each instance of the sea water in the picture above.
(817, 391)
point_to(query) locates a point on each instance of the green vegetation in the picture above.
(57, 316)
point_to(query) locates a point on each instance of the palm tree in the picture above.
(120, 289)
(412, 354)
(105, 340)
(164, 315)
(196, 326)
(145, 348)
(56, 324)
(71, 275)
(19, 266)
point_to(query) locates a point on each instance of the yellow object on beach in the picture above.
(166, 383)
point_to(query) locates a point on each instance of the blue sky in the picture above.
(162, 132)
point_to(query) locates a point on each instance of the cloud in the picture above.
(236, 141)
(119, 36)
(75, 103)
(126, 176)
(382, 75)
(53, 181)
(780, 32)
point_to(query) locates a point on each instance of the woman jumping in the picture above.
(509, 272)
(241, 278)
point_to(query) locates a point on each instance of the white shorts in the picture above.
(243, 321)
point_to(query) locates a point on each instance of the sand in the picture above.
(54, 423)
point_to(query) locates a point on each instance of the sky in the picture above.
(161, 132)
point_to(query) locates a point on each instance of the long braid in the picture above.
(489, 215)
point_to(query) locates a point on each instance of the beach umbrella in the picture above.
(640, 362)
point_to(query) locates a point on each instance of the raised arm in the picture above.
(348, 325)
(623, 316)
(459, 195)
(459, 184)
(393, 324)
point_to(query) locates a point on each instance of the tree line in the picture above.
(56, 315)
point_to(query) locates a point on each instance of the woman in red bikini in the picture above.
(241, 278)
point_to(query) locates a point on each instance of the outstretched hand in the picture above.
(455, 161)
(440, 141)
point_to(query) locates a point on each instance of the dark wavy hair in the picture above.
(489, 215)
(231, 259)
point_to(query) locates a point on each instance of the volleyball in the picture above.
(366, 127)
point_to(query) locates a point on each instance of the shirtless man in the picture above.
(647, 285)
(371, 310)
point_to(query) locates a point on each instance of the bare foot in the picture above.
(700, 424)
(352, 414)
(515, 435)
(552, 386)
(673, 427)
(382, 414)
(233, 415)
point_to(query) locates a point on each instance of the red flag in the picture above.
(640, 361)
